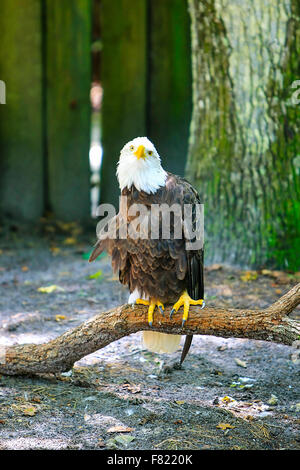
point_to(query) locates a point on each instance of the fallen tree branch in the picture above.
(59, 355)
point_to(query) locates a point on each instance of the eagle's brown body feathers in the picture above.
(157, 268)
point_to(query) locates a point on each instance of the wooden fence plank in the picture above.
(169, 103)
(21, 142)
(124, 83)
(68, 65)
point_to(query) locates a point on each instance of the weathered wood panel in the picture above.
(169, 101)
(68, 74)
(21, 142)
(124, 84)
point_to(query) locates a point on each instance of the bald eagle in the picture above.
(157, 269)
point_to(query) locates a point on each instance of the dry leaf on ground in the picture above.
(50, 289)
(120, 429)
(225, 426)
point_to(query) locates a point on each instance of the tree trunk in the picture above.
(59, 355)
(245, 130)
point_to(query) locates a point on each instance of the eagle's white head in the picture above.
(139, 165)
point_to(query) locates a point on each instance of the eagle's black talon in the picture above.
(161, 311)
(150, 323)
(171, 313)
(183, 323)
(203, 305)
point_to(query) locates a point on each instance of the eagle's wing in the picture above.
(195, 261)
(109, 240)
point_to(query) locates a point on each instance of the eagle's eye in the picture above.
(131, 147)
(150, 152)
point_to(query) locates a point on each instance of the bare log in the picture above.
(59, 355)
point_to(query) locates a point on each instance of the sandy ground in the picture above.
(230, 393)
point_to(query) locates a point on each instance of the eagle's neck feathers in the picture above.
(146, 175)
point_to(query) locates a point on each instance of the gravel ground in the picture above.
(230, 393)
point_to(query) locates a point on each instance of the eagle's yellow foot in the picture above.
(152, 304)
(186, 301)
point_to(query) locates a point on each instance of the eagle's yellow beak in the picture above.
(140, 153)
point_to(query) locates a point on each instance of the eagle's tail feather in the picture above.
(99, 248)
(160, 342)
(186, 347)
